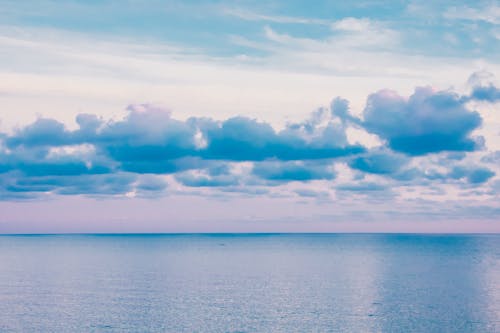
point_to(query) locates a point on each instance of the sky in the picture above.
(249, 116)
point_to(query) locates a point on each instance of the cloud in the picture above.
(103, 184)
(483, 87)
(141, 153)
(154, 139)
(353, 24)
(109, 157)
(379, 162)
(149, 136)
(306, 193)
(365, 32)
(45, 162)
(293, 171)
(151, 183)
(489, 14)
(110, 184)
(475, 175)
(427, 122)
(471, 174)
(488, 93)
(249, 15)
(362, 187)
(219, 174)
(493, 157)
(480, 78)
(43, 132)
(192, 179)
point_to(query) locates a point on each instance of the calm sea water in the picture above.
(250, 283)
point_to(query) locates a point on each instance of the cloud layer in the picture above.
(424, 140)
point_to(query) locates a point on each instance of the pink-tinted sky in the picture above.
(251, 118)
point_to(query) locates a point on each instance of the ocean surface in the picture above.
(250, 283)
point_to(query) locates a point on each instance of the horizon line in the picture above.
(244, 233)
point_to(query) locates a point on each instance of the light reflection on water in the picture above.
(250, 283)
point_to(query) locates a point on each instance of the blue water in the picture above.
(250, 283)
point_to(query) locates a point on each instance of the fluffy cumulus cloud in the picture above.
(149, 150)
(47, 157)
(426, 122)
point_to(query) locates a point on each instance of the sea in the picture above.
(250, 283)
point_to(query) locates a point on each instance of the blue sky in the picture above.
(128, 116)
(440, 28)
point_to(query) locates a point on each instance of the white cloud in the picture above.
(489, 14)
(353, 24)
(496, 33)
(363, 33)
(249, 15)
(59, 74)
